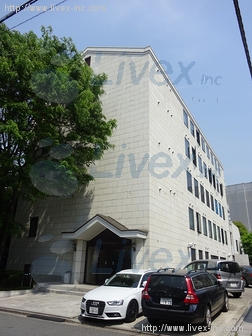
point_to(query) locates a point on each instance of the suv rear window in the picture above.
(229, 267)
(160, 282)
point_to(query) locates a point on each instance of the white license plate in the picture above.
(165, 301)
(93, 310)
(233, 284)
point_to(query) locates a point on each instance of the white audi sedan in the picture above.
(119, 298)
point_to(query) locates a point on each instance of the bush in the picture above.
(10, 278)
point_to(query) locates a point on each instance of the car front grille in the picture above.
(93, 303)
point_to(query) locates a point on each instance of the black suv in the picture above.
(183, 296)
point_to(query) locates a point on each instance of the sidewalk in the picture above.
(61, 303)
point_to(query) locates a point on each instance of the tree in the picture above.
(51, 122)
(242, 228)
(246, 239)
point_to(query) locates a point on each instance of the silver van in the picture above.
(226, 271)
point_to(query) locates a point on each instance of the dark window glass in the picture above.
(198, 221)
(192, 128)
(204, 225)
(200, 254)
(226, 239)
(189, 181)
(219, 235)
(210, 229)
(88, 60)
(193, 254)
(191, 219)
(220, 210)
(185, 118)
(210, 175)
(205, 170)
(200, 164)
(212, 202)
(223, 213)
(194, 157)
(214, 183)
(198, 136)
(207, 199)
(203, 144)
(33, 226)
(196, 188)
(206, 255)
(216, 206)
(202, 193)
(222, 236)
(214, 231)
(221, 189)
(187, 148)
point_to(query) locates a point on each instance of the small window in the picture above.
(206, 255)
(192, 128)
(223, 213)
(222, 236)
(210, 175)
(191, 219)
(194, 157)
(221, 189)
(189, 181)
(88, 60)
(193, 254)
(196, 188)
(208, 152)
(212, 157)
(187, 148)
(205, 170)
(198, 221)
(198, 136)
(200, 254)
(226, 239)
(219, 235)
(214, 184)
(33, 226)
(220, 210)
(214, 231)
(204, 226)
(216, 206)
(185, 118)
(202, 193)
(203, 144)
(212, 202)
(207, 199)
(200, 164)
(210, 229)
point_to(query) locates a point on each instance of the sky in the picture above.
(197, 37)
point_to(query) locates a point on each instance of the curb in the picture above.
(240, 321)
(6, 294)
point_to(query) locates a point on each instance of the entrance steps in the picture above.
(60, 288)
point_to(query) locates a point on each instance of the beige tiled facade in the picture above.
(141, 183)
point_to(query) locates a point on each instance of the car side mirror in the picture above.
(105, 281)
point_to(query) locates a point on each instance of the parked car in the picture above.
(226, 271)
(247, 275)
(185, 296)
(119, 298)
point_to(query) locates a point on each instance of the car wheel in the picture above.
(225, 307)
(208, 319)
(237, 295)
(132, 311)
(153, 321)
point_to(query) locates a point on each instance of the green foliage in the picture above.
(247, 244)
(242, 228)
(48, 97)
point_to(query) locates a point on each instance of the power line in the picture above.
(18, 9)
(46, 10)
(244, 41)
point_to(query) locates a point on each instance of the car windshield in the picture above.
(230, 267)
(124, 280)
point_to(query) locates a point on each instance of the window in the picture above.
(206, 255)
(226, 240)
(211, 154)
(223, 213)
(202, 193)
(88, 60)
(33, 226)
(207, 199)
(185, 118)
(200, 164)
(193, 254)
(220, 210)
(214, 231)
(198, 222)
(205, 170)
(222, 236)
(189, 181)
(200, 254)
(237, 246)
(187, 148)
(210, 232)
(221, 189)
(196, 188)
(198, 136)
(191, 219)
(210, 175)
(192, 128)
(219, 236)
(215, 163)
(208, 152)
(212, 203)
(194, 158)
(216, 206)
(203, 144)
(214, 184)
(204, 226)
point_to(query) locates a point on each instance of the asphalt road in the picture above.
(16, 325)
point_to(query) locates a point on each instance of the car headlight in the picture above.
(115, 303)
(83, 299)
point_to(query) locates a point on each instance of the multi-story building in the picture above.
(158, 198)
(239, 197)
